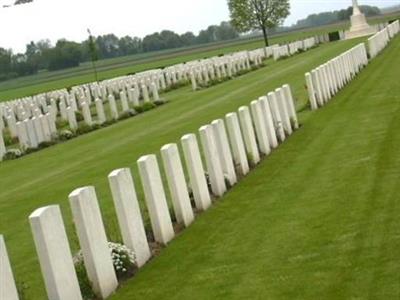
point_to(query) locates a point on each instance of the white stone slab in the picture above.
(224, 150)
(93, 241)
(155, 199)
(260, 128)
(8, 289)
(196, 172)
(284, 111)
(101, 116)
(269, 122)
(249, 136)
(237, 143)
(177, 184)
(273, 104)
(291, 106)
(54, 254)
(214, 168)
(129, 216)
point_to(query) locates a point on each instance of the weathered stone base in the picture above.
(359, 27)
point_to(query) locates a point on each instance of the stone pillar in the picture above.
(45, 128)
(291, 106)
(101, 116)
(38, 129)
(93, 241)
(155, 199)
(113, 107)
(196, 172)
(124, 101)
(73, 124)
(33, 143)
(269, 122)
(8, 288)
(193, 80)
(311, 92)
(259, 125)
(284, 111)
(224, 150)
(2, 145)
(154, 92)
(273, 104)
(54, 254)
(177, 184)
(236, 139)
(129, 216)
(86, 114)
(214, 169)
(145, 93)
(249, 137)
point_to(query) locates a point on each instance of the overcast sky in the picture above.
(69, 19)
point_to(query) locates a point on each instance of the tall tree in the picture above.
(261, 15)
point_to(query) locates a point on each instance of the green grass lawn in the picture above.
(50, 175)
(316, 220)
(309, 219)
(109, 68)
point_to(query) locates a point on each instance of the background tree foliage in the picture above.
(336, 16)
(247, 15)
(65, 54)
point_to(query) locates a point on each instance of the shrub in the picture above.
(79, 116)
(123, 259)
(148, 106)
(65, 135)
(127, 114)
(12, 154)
(61, 123)
(84, 128)
(43, 145)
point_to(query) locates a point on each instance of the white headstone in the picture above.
(224, 150)
(260, 128)
(2, 146)
(269, 122)
(101, 117)
(196, 172)
(249, 137)
(113, 107)
(237, 143)
(93, 241)
(8, 289)
(155, 199)
(87, 114)
(54, 254)
(214, 167)
(73, 124)
(177, 184)
(129, 216)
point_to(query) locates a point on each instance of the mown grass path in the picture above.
(241, 244)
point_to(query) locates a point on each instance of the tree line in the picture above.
(42, 55)
(335, 16)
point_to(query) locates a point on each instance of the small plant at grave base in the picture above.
(160, 102)
(251, 161)
(21, 289)
(65, 135)
(8, 139)
(127, 114)
(62, 123)
(124, 262)
(84, 128)
(148, 106)
(12, 154)
(79, 116)
(44, 145)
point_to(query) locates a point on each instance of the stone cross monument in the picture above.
(359, 26)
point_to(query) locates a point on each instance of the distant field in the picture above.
(109, 68)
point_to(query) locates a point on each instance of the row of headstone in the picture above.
(33, 121)
(293, 48)
(327, 80)
(230, 146)
(380, 40)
